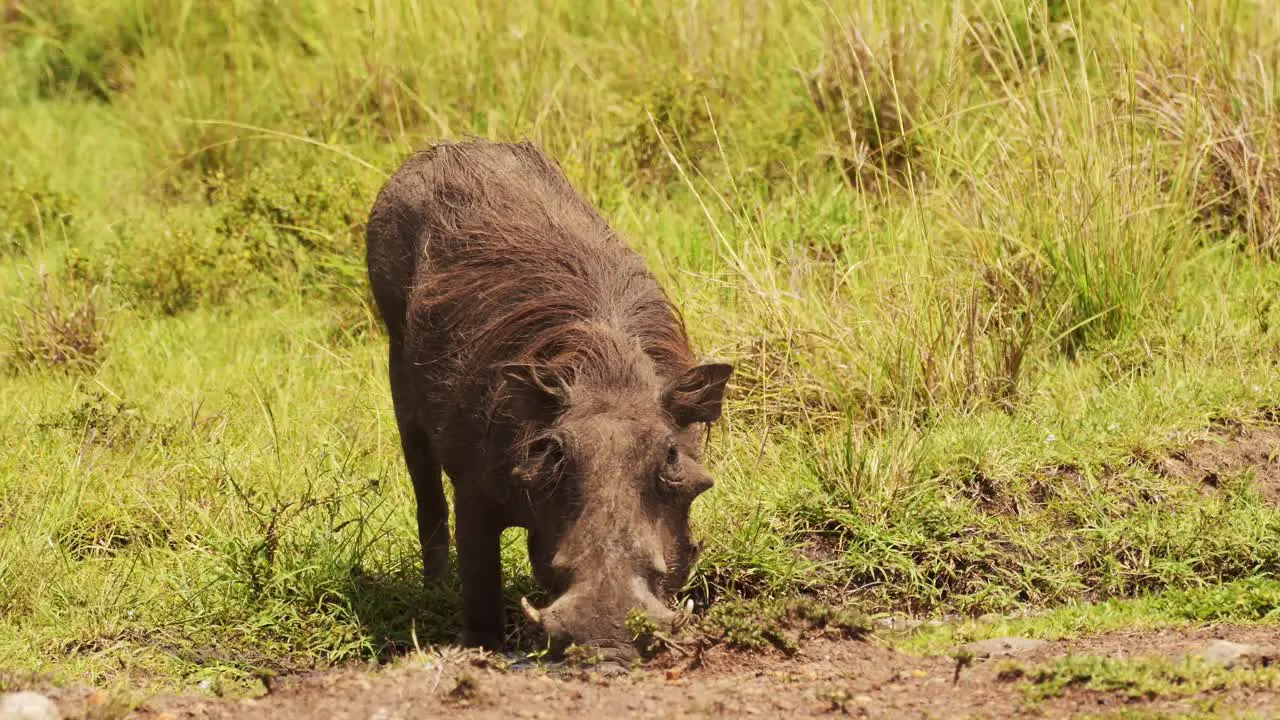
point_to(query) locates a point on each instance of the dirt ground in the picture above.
(861, 678)
(1230, 451)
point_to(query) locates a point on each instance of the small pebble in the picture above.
(27, 706)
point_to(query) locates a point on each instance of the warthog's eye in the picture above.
(669, 475)
(682, 476)
(543, 463)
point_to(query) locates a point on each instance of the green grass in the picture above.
(1136, 679)
(976, 263)
(1250, 601)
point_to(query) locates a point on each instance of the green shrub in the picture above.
(303, 219)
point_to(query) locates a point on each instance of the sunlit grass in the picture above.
(973, 263)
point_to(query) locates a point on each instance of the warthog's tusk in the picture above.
(684, 613)
(531, 612)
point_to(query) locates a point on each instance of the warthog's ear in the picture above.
(534, 392)
(696, 396)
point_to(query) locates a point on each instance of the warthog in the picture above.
(537, 361)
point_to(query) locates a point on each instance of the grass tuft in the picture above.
(60, 328)
(869, 96)
(1216, 111)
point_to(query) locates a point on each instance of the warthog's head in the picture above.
(610, 473)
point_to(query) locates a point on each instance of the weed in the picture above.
(1247, 601)
(968, 350)
(748, 625)
(681, 106)
(108, 420)
(290, 226)
(645, 634)
(1251, 600)
(581, 656)
(839, 699)
(61, 328)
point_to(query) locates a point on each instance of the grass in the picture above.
(1255, 600)
(1137, 679)
(977, 264)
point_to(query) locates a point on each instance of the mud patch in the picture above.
(826, 677)
(1228, 454)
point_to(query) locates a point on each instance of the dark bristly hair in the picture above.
(582, 308)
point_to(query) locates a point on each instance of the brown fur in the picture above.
(536, 359)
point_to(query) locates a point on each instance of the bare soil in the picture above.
(861, 678)
(1229, 452)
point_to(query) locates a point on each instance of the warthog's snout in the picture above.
(576, 619)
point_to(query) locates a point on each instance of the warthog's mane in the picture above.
(559, 289)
